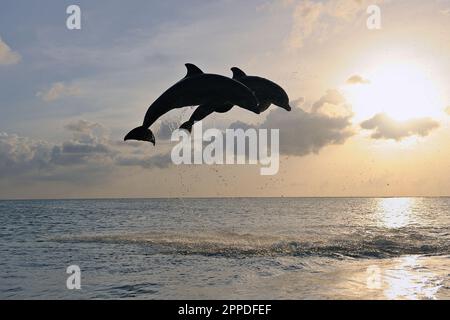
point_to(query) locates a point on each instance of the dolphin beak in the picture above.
(287, 108)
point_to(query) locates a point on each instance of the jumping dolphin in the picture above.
(266, 91)
(196, 88)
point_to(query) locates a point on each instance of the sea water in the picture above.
(234, 248)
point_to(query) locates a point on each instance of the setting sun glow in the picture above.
(402, 91)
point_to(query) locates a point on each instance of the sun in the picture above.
(401, 90)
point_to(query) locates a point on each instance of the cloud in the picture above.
(305, 19)
(59, 90)
(299, 101)
(346, 9)
(332, 96)
(8, 56)
(83, 126)
(302, 133)
(166, 128)
(446, 12)
(90, 150)
(385, 127)
(447, 110)
(314, 18)
(90, 141)
(76, 147)
(160, 161)
(28, 156)
(357, 79)
(19, 155)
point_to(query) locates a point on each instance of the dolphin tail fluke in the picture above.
(140, 134)
(186, 126)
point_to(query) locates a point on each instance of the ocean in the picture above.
(228, 248)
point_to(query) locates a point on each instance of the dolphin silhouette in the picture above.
(196, 88)
(267, 92)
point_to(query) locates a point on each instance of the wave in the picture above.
(238, 245)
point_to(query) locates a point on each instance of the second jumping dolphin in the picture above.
(267, 92)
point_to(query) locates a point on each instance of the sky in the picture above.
(371, 112)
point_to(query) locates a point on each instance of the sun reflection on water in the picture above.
(409, 277)
(410, 280)
(395, 213)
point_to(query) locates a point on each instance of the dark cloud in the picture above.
(76, 154)
(302, 133)
(241, 125)
(166, 129)
(19, 155)
(89, 143)
(385, 127)
(357, 79)
(160, 161)
(75, 147)
(89, 151)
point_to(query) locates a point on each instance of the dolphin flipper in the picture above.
(199, 114)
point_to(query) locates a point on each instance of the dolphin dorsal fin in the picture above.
(192, 70)
(238, 73)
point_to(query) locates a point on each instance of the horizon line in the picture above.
(225, 197)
